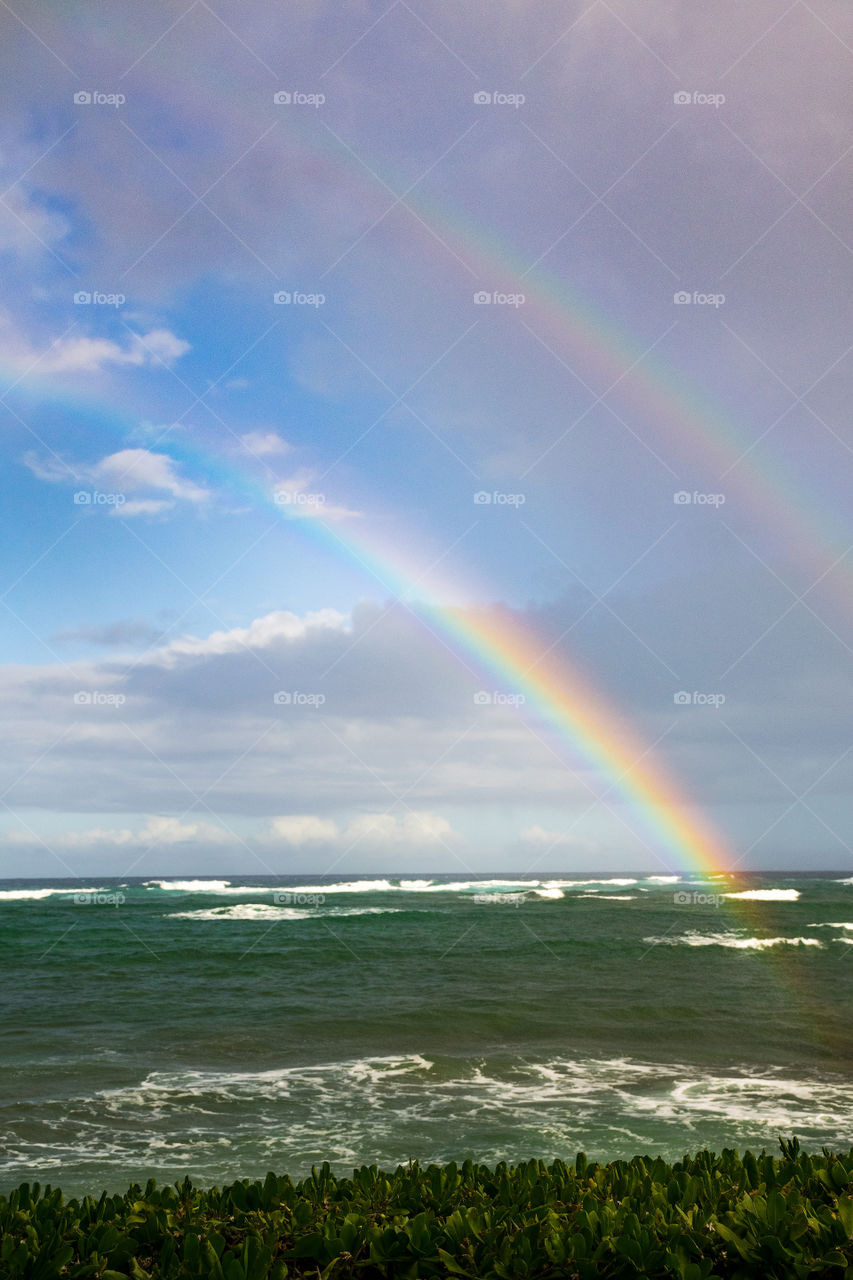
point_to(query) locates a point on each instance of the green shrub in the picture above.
(705, 1217)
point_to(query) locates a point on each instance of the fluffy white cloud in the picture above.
(74, 352)
(129, 471)
(262, 443)
(413, 828)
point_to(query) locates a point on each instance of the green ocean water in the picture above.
(220, 1029)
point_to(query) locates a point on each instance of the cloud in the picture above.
(417, 828)
(74, 353)
(299, 498)
(303, 828)
(129, 471)
(261, 634)
(263, 443)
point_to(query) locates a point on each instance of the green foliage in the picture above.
(703, 1218)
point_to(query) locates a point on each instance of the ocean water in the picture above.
(222, 1028)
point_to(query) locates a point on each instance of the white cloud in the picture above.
(74, 352)
(260, 634)
(379, 830)
(262, 443)
(136, 469)
(129, 471)
(303, 828)
(300, 497)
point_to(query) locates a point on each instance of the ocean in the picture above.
(222, 1028)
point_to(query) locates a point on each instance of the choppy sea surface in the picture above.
(221, 1028)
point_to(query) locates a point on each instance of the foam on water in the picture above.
(730, 940)
(196, 886)
(263, 911)
(766, 895)
(611, 897)
(384, 1109)
(10, 895)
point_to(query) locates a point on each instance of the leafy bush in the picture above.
(706, 1216)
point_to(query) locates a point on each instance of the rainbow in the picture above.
(811, 534)
(503, 649)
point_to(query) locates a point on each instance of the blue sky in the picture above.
(147, 167)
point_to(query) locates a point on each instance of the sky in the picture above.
(335, 336)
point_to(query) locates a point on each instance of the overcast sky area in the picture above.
(319, 317)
